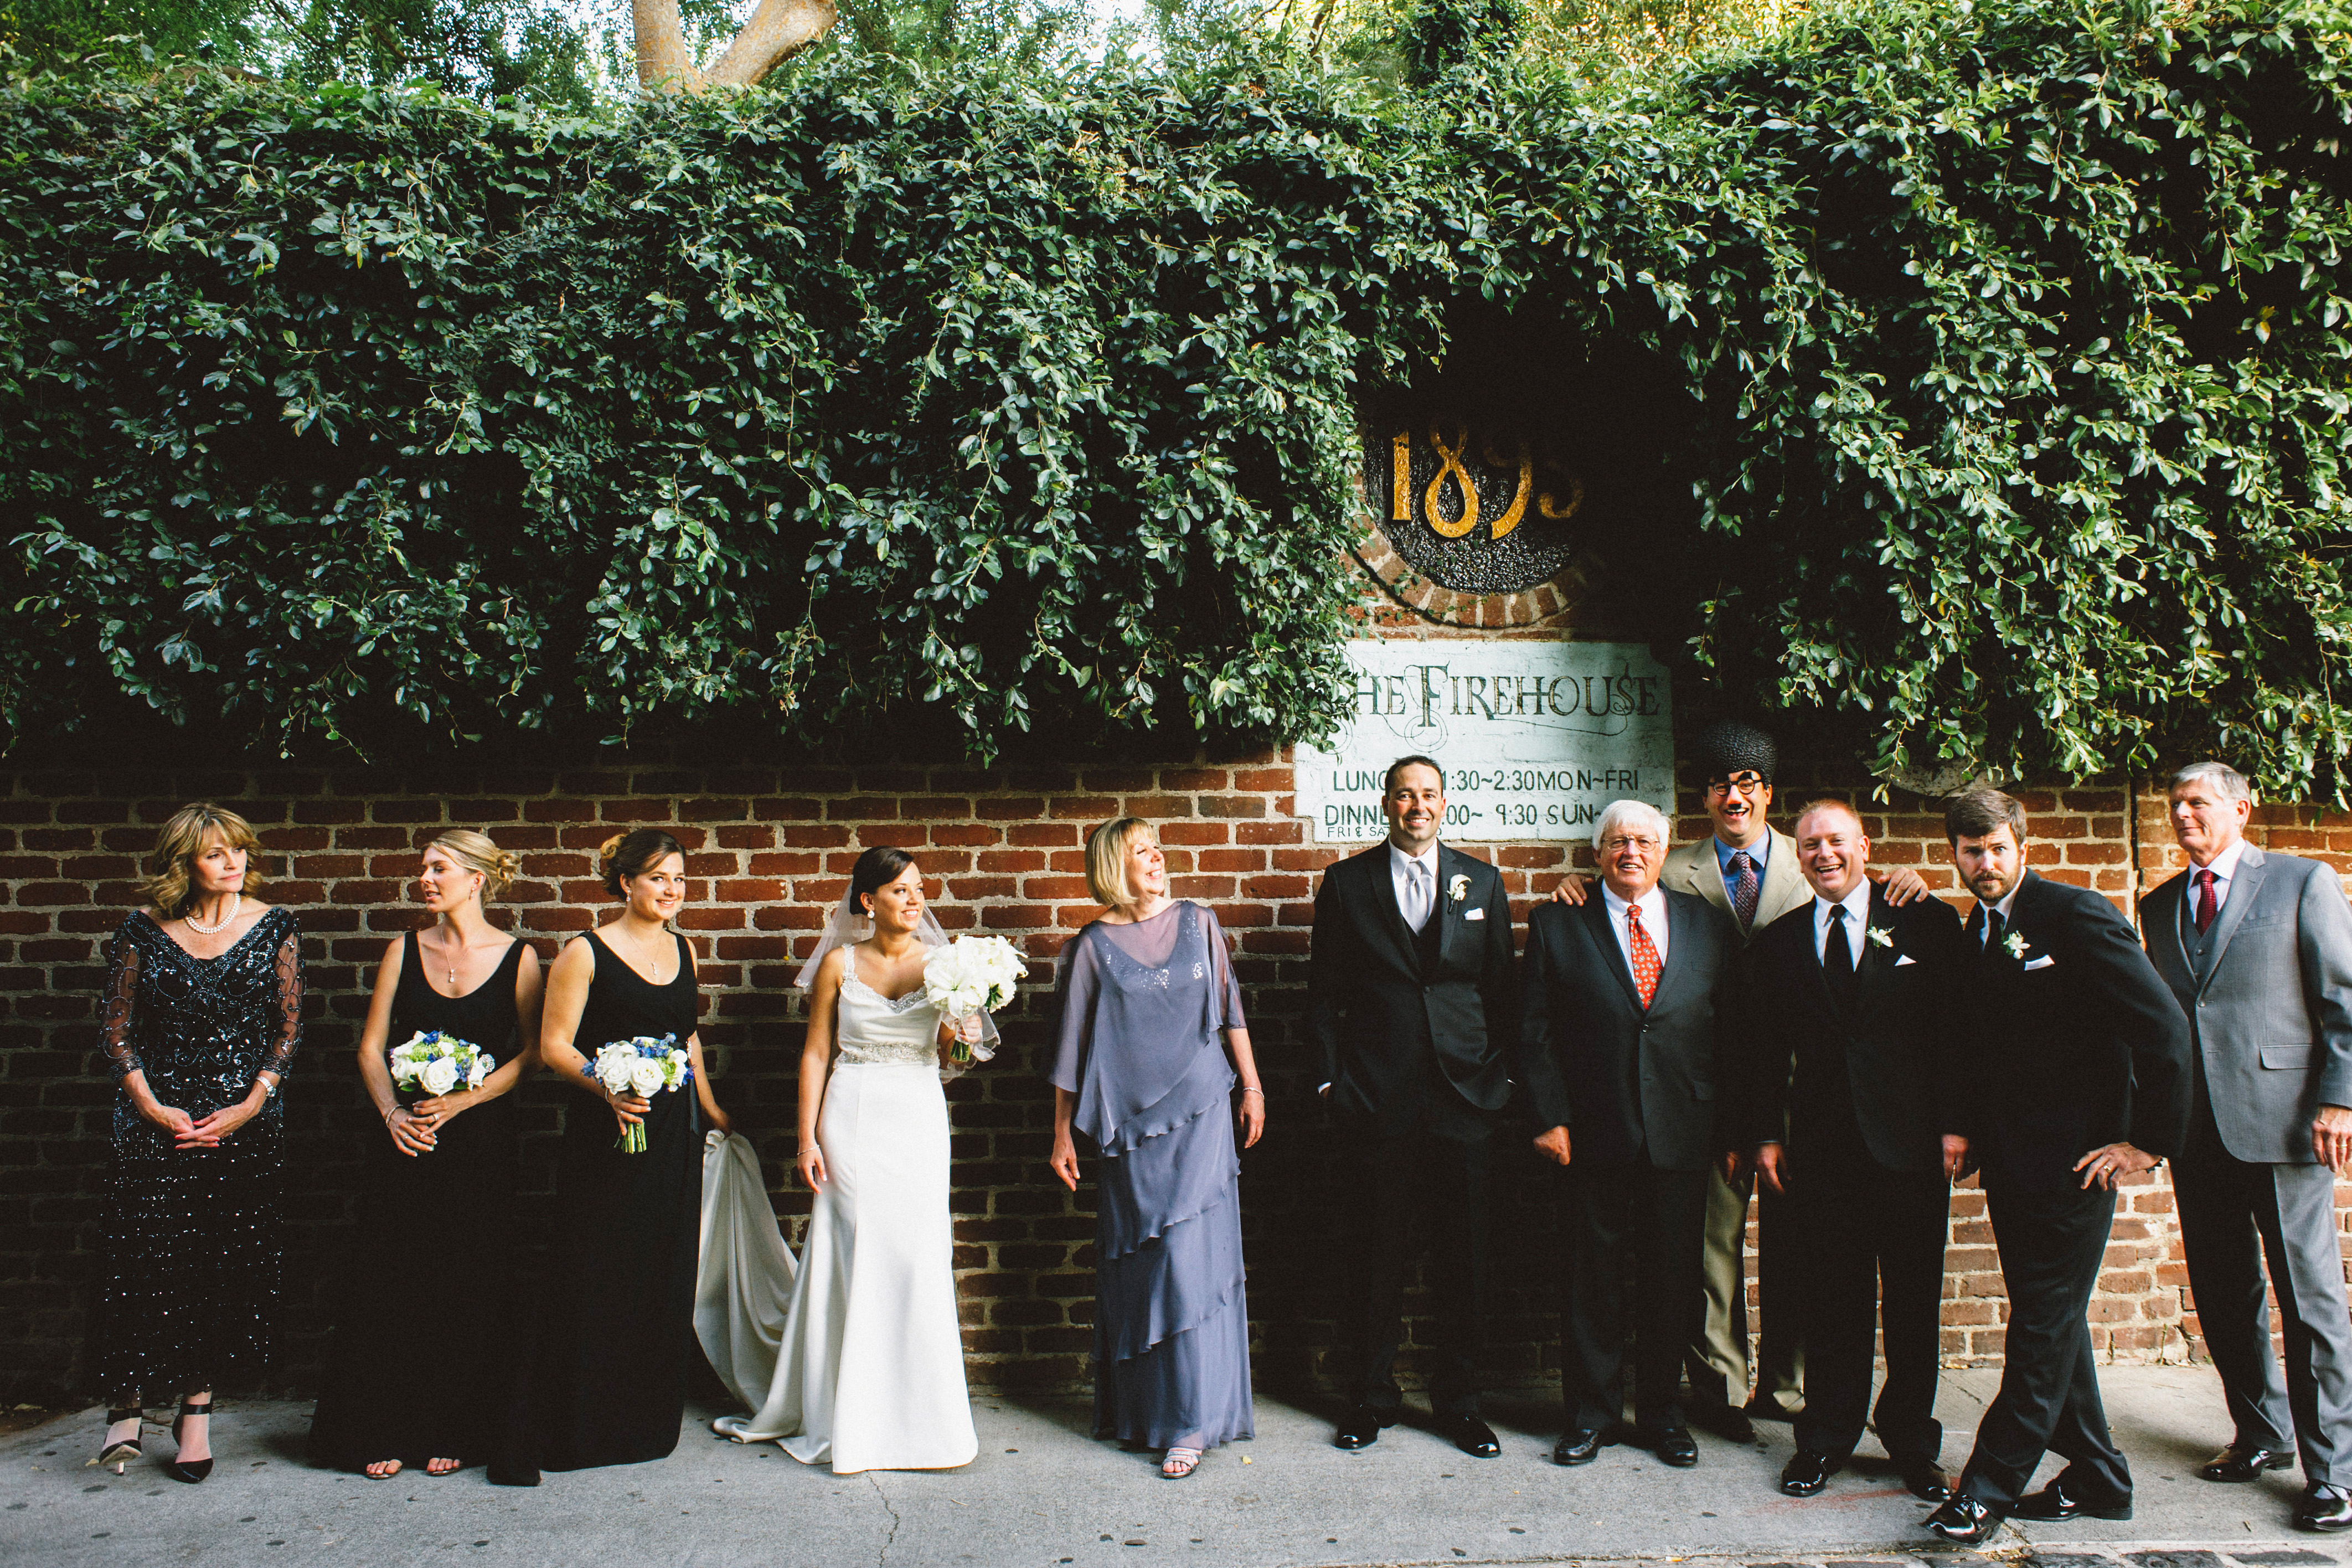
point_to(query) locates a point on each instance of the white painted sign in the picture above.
(1536, 737)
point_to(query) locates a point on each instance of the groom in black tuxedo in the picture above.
(1414, 1006)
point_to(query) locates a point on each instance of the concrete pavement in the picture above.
(1043, 1493)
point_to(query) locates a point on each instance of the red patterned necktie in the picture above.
(1645, 954)
(2206, 908)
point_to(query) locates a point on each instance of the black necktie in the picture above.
(1837, 957)
(1995, 928)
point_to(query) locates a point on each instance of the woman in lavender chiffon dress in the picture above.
(1151, 1043)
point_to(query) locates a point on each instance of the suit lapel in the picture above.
(2161, 916)
(1382, 895)
(1705, 878)
(2233, 910)
(1784, 886)
(1446, 911)
(1877, 963)
(1595, 912)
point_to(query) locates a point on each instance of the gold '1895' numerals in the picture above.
(1432, 500)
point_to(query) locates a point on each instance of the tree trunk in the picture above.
(777, 30)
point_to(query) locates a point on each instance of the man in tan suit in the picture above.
(1748, 869)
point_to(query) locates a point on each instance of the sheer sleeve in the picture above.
(1227, 1007)
(1074, 1024)
(280, 1056)
(115, 1013)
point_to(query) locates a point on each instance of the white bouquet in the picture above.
(644, 1066)
(971, 974)
(438, 1063)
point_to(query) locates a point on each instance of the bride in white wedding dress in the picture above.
(868, 1370)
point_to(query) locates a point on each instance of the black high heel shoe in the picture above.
(119, 1454)
(189, 1470)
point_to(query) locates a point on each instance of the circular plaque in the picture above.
(1480, 508)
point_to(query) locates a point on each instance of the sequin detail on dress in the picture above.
(193, 1238)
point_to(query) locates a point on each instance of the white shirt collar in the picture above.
(1654, 906)
(2225, 865)
(1399, 860)
(2006, 904)
(1856, 905)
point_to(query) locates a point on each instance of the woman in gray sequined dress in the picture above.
(1151, 1042)
(201, 1016)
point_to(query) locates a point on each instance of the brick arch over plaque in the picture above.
(1548, 605)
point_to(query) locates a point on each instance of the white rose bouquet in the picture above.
(971, 974)
(644, 1066)
(438, 1063)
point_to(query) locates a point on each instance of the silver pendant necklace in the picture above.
(235, 903)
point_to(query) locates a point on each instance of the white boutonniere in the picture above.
(2015, 942)
(1882, 936)
(1459, 889)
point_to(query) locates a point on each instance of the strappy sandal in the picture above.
(189, 1470)
(1178, 1463)
(368, 1469)
(121, 1454)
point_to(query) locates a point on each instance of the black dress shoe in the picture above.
(1579, 1446)
(512, 1476)
(2236, 1464)
(1925, 1479)
(2057, 1502)
(1360, 1428)
(1675, 1446)
(1470, 1435)
(2324, 1508)
(1963, 1520)
(1808, 1473)
(1727, 1421)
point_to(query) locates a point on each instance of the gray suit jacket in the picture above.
(1693, 868)
(2272, 1015)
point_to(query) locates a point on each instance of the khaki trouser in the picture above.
(1717, 1362)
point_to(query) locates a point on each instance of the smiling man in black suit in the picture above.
(1856, 996)
(2075, 1071)
(1414, 1000)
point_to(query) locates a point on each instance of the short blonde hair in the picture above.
(1107, 849)
(171, 870)
(480, 852)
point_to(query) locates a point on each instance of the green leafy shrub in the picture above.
(2015, 342)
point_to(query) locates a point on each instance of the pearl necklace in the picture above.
(235, 903)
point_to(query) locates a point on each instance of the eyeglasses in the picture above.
(1613, 845)
(1745, 784)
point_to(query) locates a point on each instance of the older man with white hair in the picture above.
(1625, 1037)
(2257, 948)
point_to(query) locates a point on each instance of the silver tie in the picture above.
(1418, 894)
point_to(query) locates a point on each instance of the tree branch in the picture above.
(777, 30)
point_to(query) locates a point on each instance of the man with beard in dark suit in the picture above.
(2076, 1070)
(1413, 1001)
(1626, 1044)
(1857, 995)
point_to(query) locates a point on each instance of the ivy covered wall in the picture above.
(1020, 413)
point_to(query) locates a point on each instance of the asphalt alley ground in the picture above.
(1044, 1495)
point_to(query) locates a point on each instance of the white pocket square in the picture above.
(2044, 961)
(1902, 958)
(1473, 914)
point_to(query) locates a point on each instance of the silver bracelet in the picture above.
(1253, 1088)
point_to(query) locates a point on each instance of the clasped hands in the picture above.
(1553, 1143)
(206, 1133)
(1773, 1174)
(416, 1129)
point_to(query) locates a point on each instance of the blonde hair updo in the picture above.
(171, 870)
(479, 852)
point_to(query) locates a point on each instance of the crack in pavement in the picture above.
(890, 1540)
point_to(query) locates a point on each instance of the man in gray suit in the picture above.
(2258, 948)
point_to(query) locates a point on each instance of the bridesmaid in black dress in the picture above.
(616, 1324)
(203, 1014)
(431, 1259)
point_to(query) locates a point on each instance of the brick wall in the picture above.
(770, 847)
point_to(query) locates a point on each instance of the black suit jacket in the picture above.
(1382, 1015)
(2069, 1055)
(1630, 1083)
(1892, 1042)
